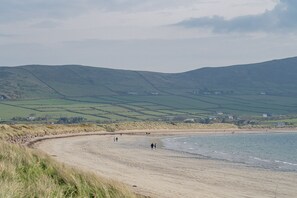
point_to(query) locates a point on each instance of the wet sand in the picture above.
(165, 173)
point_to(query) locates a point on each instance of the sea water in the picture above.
(270, 150)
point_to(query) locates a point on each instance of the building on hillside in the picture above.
(231, 117)
(189, 120)
(155, 93)
(31, 118)
(132, 93)
(280, 124)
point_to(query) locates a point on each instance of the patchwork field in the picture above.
(143, 108)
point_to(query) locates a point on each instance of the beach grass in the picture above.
(21, 133)
(27, 173)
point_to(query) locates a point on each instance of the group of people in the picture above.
(153, 145)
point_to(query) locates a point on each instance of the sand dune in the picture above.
(164, 173)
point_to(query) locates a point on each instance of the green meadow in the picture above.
(144, 108)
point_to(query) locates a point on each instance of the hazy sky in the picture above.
(153, 35)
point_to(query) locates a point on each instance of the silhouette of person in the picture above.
(152, 145)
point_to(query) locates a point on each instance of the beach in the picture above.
(164, 173)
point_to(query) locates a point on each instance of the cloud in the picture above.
(281, 18)
(15, 10)
(166, 55)
(7, 35)
(143, 5)
(46, 24)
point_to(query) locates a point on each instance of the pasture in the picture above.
(143, 108)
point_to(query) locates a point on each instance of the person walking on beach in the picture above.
(152, 146)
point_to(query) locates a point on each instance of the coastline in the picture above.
(164, 132)
(166, 173)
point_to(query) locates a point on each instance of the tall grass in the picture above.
(28, 173)
(21, 133)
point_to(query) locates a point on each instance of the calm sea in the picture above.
(273, 151)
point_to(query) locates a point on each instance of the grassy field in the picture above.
(144, 108)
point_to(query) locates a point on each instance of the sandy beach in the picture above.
(165, 173)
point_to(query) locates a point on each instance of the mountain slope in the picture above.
(16, 82)
(276, 77)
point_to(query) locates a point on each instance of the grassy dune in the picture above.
(27, 173)
(20, 133)
(164, 126)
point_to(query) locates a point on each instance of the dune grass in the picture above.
(20, 133)
(123, 126)
(27, 173)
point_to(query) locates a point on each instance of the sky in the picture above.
(151, 35)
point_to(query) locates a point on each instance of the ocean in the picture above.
(277, 151)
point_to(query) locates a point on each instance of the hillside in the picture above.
(73, 93)
(37, 81)
(274, 77)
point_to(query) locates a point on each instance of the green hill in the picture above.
(273, 77)
(37, 81)
(104, 95)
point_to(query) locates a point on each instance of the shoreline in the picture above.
(231, 161)
(157, 132)
(171, 132)
(23, 133)
(147, 171)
